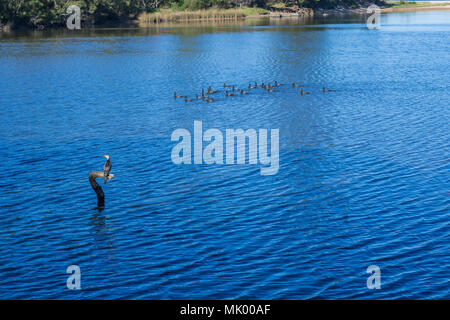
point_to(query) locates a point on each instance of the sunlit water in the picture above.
(363, 178)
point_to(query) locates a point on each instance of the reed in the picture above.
(167, 15)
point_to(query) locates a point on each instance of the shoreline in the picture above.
(391, 7)
(425, 7)
(326, 12)
(292, 12)
(217, 15)
(279, 13)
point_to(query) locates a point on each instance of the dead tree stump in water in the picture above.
(97, 188)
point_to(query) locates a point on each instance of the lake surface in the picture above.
(363, 179)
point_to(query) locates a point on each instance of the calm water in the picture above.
(363, 179)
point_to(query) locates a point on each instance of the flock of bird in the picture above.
(232, 90)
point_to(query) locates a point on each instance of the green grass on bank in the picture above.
(174, 15)
(279, 5)
(254, 11)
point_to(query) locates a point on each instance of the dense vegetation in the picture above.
(53, 12)
(43, 13)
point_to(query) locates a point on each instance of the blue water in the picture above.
(363, 178)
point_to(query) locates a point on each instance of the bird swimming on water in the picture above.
(327, 90)
(210, 91)
(303, 92)
(176, 96)
(106, 168)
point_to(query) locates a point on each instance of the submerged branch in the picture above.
(97, 188)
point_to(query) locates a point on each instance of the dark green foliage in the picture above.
(53, 12)
(196, 4)
(221, 4)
